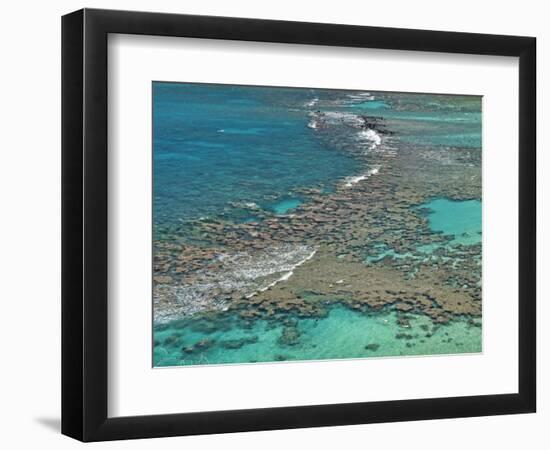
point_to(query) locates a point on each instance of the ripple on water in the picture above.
(342, 333)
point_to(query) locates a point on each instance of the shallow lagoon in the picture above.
(285, 206)
(342, 333)
(461, 219)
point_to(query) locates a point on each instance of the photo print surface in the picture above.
(296, 224)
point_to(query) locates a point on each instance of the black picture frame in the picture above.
(84, 224)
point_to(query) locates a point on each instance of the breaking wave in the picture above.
(350, 181)
(240, 275)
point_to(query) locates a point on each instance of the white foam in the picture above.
(245, 205)
(360, 96)
(313, 124)
(372, 136)
(311, 103)
(336, 117)
(285, 276)
(242, 273)
(350, 181)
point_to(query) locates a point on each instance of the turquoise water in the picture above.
(371, 105)
(384, 251)
(285, 206)
(342, 333)
(461, 219)
(436, 128)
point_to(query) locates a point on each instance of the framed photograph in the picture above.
(273, 224)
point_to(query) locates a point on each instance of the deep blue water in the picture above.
(219, 146)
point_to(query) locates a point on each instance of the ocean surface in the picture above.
(223, 151)
(242, 154)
